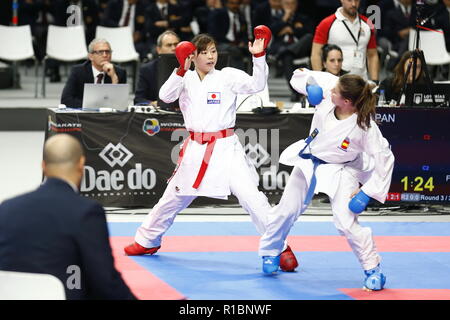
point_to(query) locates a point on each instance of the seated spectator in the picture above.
(201, 14)
(246, 9)
(165, 15)
(293, 33)
(98, 69)
(53, 230)
(147, 87)
(123, 13)
(63, 17)
(355, 35)
(393, 85)
(396, 27)
(332, 59)
(227, 25)
(102, 5)
(268, 11)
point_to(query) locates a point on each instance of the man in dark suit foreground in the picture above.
(53, 230)
(147, 87)
(98, 69)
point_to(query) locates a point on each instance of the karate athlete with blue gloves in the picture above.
(345, 149)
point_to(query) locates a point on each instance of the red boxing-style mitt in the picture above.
(263, 32)
(183, 50)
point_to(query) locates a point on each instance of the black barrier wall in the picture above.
(130, 156)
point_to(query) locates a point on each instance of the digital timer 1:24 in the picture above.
(417, 183)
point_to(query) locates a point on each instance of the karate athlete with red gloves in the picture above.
(212, 162)
(345, 148)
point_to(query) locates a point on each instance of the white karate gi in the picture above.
(209, 106)
(364, 157)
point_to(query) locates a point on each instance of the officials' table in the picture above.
(130, 156)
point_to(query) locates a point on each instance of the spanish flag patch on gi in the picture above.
(345, 143)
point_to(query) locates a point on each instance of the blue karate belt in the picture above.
(312, 184)
(316, 161)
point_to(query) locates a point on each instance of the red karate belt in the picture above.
(210, 139)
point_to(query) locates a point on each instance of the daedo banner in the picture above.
(130, 156)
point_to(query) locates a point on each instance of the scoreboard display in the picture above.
(420, 141)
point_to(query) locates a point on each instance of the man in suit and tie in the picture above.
(129, 13)
(227, 25)
(162, 15)
(147, 87)
(98, 69)
(53, 230)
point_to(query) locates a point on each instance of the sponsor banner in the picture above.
(130, 156)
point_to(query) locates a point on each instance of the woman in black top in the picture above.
(393, 85)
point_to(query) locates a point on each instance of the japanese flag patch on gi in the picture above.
(213, 98)
(345, 144)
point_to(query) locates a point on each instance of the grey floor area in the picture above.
(21, 155)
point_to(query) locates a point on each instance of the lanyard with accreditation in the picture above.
(358, 59)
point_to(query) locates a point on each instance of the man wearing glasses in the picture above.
(147, 87)
(98, 69)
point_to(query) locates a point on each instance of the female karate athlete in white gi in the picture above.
(345, 148)
(212, 161)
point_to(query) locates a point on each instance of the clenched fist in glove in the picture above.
(359, 202)
(314, 92)
(182, 51)
(262, 32)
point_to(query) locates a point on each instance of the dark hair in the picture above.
(326, 49)
(359, 92)
(202, 40)
(399, 72)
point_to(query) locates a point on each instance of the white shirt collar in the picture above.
(161, 5)
(95, 72)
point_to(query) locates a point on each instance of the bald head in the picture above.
(63, 158)
(62, 149)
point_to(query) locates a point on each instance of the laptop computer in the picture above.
(421, 96)
(168, 62)
(106, 95)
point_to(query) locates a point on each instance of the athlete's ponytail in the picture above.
(359, 92)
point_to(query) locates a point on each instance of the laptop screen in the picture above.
(106, 95)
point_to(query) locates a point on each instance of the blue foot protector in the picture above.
(270, 264)
(375, 279)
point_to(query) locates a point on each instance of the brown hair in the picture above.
(359, 92)
(399, 72)
(202, 40)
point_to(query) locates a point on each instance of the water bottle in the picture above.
(381, 99)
